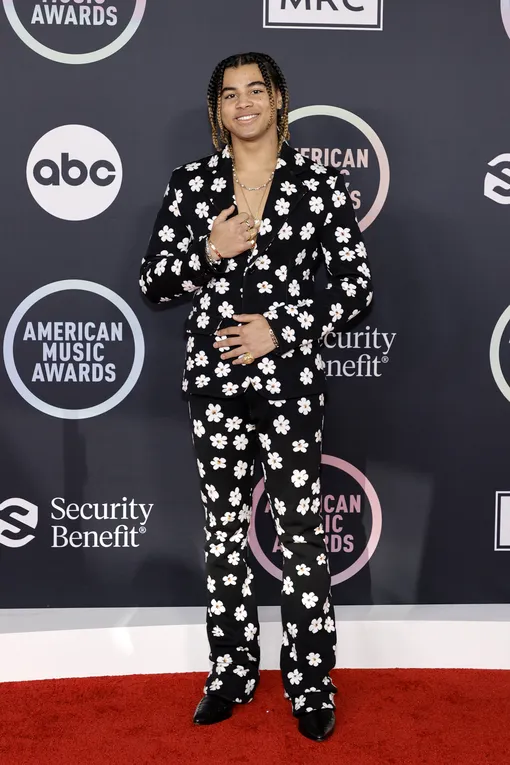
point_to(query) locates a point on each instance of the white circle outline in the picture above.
(494, 353)
(505, 14)
(74, 58)
(382, 157)
(372, 542)
(51, 289)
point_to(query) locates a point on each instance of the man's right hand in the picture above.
(233, 236)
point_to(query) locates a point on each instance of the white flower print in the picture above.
(295, 677)
(274, 460)
(256, 383)
(292, 630)
(194, 262)
(287, 586)
(216, 684)
(166, 234)
(250, 685)
(281, 273)
(265, 287)
(221, 286)
(218, 632)
(300, 257)
(281, 425)
(361, 250)
(309, 599)
(364, 269)
(316, 486)
(221, 535)
(328, 219)
(321, 559)
(306, 376)
(240, 469)
(350, 289)
(342, 235)
(240, 613)
(303, 570)
(188, 286)
(229, 579)
(314, 659)
(229, 388)
(288, 188)
(317, 168)
(211, 584)
(198, 428)
(265, 441)
(347, 254)
(263, 263)
(203, 320)
(219, 184)
(205, 302)
(299, 702)
(273, 385)
(282, 206)
(307, 231)
(304, 406)
(298, 539)
(294, 290)
(222, 662)
(240, 670)
(202, 381)
(201, 469)
(306, 347)
(325, 607)
(293, 652)
(160, 267)
(196, 183)
(240, 442)
(299, 446)
(267, 366)
(229, 516)
(316, 205)
(304, 505)
(285, 639)
(280, 506)
(235, 497)
(299, 478)
(218, 463)
(329, 624)
(315, 625)
(316, 505)
(245, 513)
(219, 441)
(312, 184)
(201, 359)
(288, 334)
(234, 558)
(192, 166)
(265, 227)
(250, 631)
(299, 159)
(285, 232)
(213, 161)
(306, 320)
(211, 491)
(217, 550)
(217, 607)
(222, 370)
(339, 198)
(202, 210)
(336, 311)
(233, 423)
(226, 309)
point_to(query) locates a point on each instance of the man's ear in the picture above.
(279, 99)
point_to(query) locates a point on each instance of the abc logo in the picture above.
(74, 172)
(15, 526)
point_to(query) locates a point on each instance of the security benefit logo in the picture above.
(74, 172)
(324, 14)
(497, 180)
(359, 354)
(73, 349)
(75, 31)
(18, 520)
(71, 525)
(352, 521)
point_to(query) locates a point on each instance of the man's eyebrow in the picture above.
(250, 85)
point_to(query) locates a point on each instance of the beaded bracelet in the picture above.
(273, 338)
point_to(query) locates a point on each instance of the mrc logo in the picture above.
(324, 14)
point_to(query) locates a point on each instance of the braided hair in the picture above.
(272, 75)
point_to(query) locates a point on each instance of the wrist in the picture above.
(212, 253)
(273, 337)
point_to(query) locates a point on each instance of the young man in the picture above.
(245, 230)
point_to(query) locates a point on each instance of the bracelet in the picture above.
(273, 338)
(208, 253)
(215, 249)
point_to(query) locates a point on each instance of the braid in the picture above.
(273, 78)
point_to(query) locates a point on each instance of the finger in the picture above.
(245, 317)
(239, 360)
(223, 215)
(228, 342)
(230, 331)
(234, 353)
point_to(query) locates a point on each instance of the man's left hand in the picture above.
(253, 336)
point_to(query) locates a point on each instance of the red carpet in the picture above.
(384, 717)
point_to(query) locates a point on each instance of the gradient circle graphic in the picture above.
(373, 540)
(51, 289)
(505, 13)
(377, 145)
(74, 58)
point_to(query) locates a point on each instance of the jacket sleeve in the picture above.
(175, 262)
(349, 287)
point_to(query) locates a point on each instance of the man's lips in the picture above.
(246, 118)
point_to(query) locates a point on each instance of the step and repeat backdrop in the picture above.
(99, 500)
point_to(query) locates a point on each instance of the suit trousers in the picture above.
(287, 434)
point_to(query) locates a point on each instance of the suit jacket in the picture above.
(308, 218)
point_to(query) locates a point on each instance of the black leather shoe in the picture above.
(212, 709)
(317, 725)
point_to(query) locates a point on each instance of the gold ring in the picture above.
(247, 221)
(247, 358)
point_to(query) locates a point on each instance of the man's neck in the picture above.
(258, 155)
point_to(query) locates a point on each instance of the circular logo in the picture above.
(505, 13)
(74, 172)
(56, 29)
(499, 355)
(360, 150)
(348, 499)
(87, 345)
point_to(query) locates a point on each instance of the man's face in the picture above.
(245, 105)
